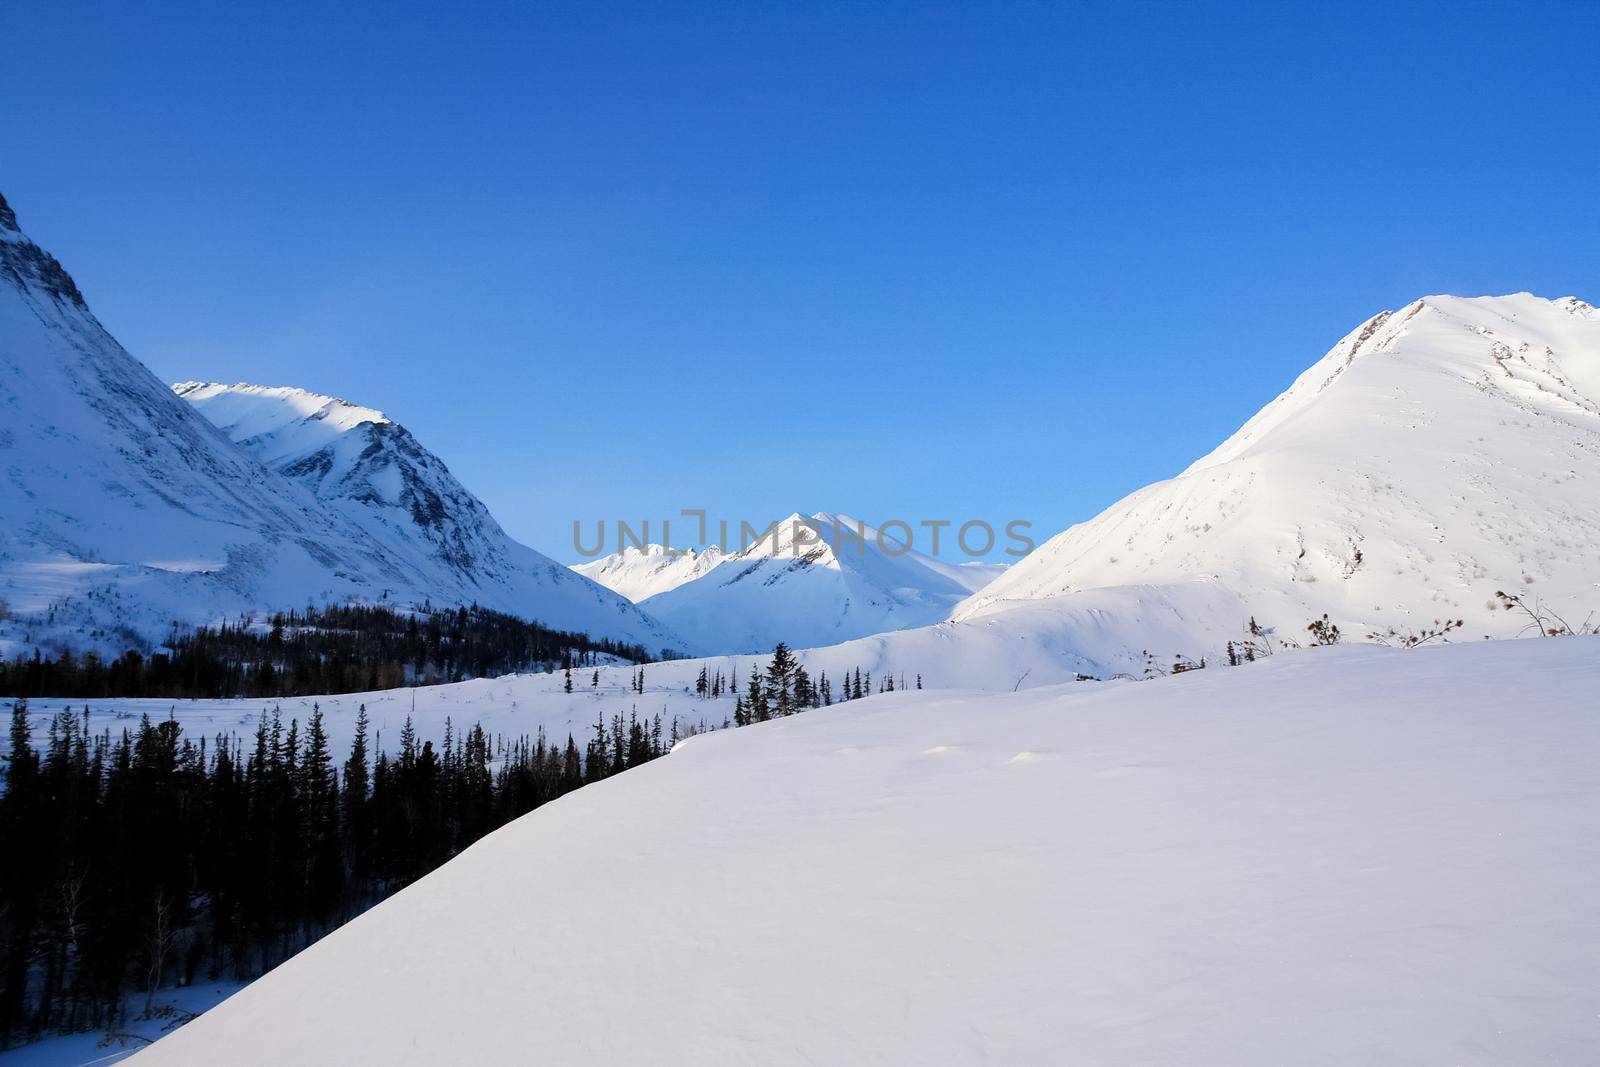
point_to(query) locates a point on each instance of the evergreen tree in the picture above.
(780, 680)
(756, 708)
(354, 804)
(320, 809)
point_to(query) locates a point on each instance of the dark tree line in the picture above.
(342, 649)
(147, 859)
(785, 688)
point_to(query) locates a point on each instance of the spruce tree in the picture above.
(320, 850)
(755, 702)
(354, 804)
(780, 680)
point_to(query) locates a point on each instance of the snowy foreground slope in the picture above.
(1347, 855)
(373, 471)
(126, 511)
(1436, 455)
(815, 580)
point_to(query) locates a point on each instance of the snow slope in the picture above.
(1348, 855)
(641, 573)
(815, 580)
(1436, 455)
(126, 512)
(375, 473)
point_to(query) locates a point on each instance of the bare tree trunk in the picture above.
(160, 942)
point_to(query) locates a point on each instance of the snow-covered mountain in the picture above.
(1349, 855)
(641, 573)
(374, 472)
(126, 511)
(1437, 455)
(815, 580)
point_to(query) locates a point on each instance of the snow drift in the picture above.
(1347, 855)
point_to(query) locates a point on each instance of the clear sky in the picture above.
(899, 260)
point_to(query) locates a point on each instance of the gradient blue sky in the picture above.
(918, 261)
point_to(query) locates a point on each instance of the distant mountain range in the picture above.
(641, 573)
(1439, 455)
(812, 580)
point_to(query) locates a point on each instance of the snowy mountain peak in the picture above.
(641, 573)
(811, 580)
(27, 266)
(1573, 306)
(129, 513)
(292, 401)
(1536, 342)
(376, 473)
(808, 540)
(276, 422)
(1436, 455)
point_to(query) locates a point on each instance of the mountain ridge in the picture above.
(641, 572)
(132, 514)
(374, 471)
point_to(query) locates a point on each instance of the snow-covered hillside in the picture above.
(127, 512)
(374, 472)
(1435, 456)
(641, 573)
(124, 509)
(1347, 855)
(815, 580)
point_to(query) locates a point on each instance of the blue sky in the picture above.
(919, 261)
